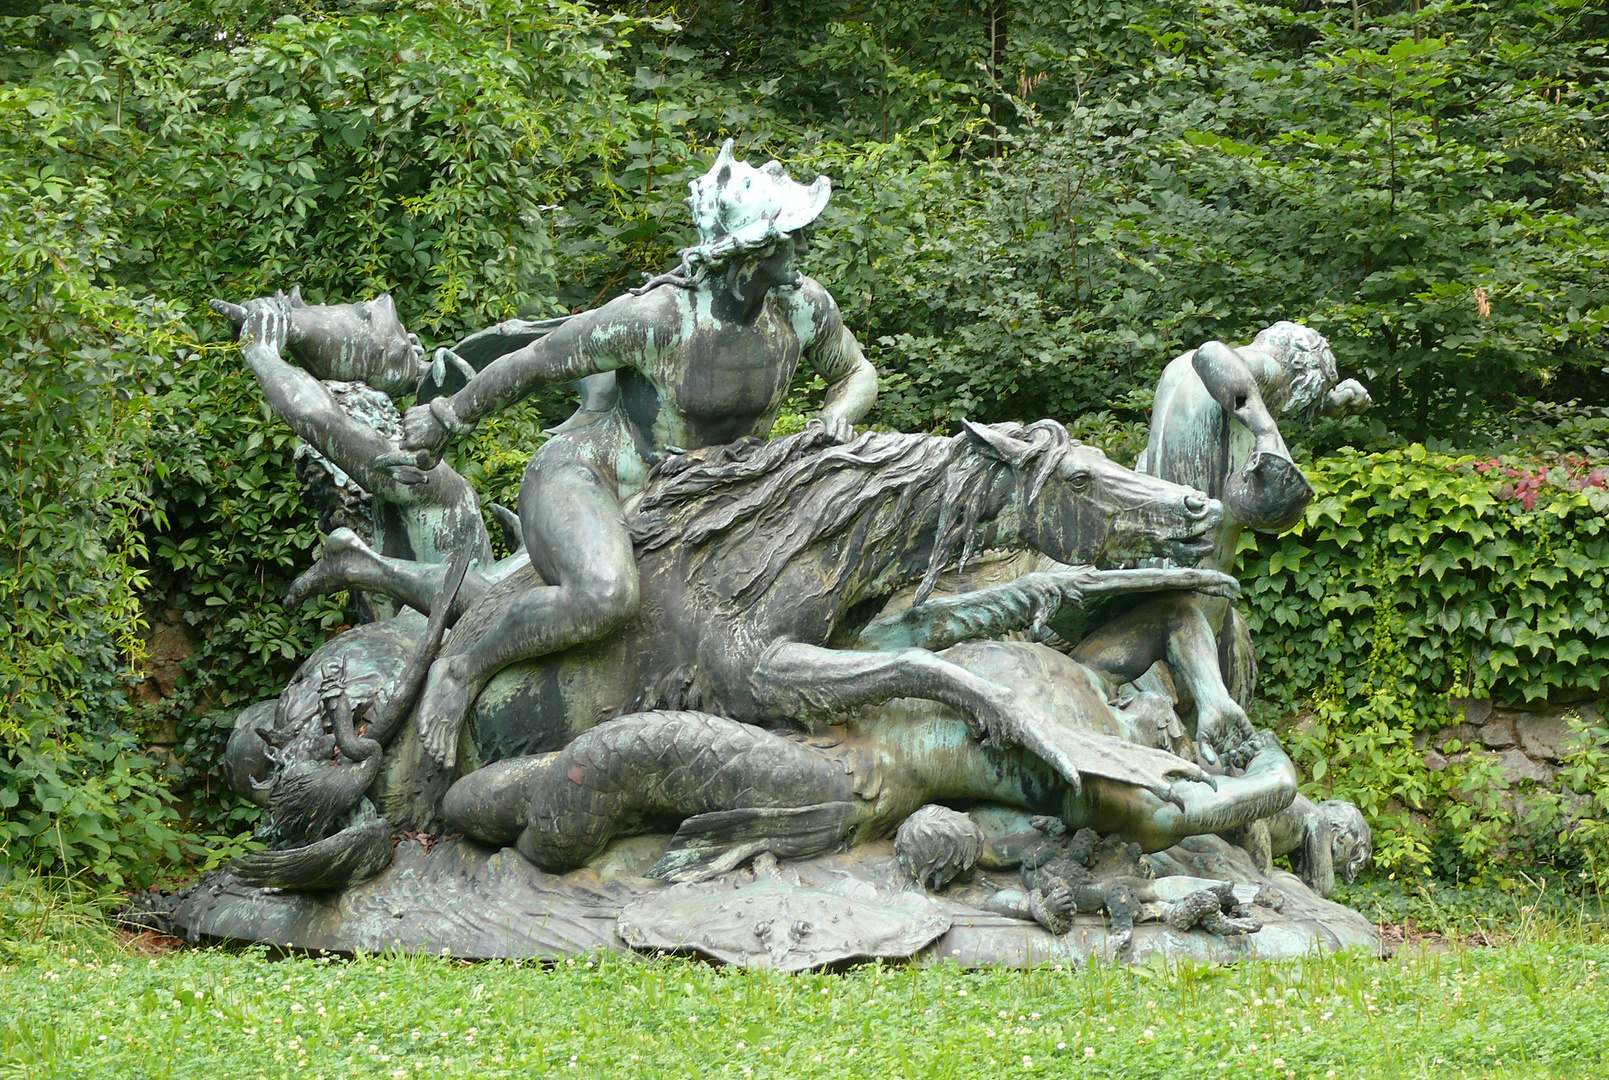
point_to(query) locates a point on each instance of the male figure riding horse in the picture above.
(703, 356)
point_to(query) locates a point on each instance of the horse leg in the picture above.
(1024, 602)
(576, 534)
(1174, 628)
(1192, 653)
(1126, 647)
(348, 563)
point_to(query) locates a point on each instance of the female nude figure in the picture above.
(703, 356)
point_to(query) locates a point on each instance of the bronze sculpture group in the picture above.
(691, 662)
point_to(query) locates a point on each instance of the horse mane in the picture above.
(773, 499)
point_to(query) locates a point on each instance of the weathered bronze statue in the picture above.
(366, 355)
(1213, 428)
(703, 356)
(691, 661)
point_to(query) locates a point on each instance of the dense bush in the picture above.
(1417, 577)
(75, 363)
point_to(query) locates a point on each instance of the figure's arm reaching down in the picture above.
(833, 351)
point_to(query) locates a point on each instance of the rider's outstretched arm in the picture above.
(619, 334)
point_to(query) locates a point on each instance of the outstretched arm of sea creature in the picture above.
(793, 678)
(1266, 786)
(1028, 601)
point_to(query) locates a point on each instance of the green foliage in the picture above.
(1512, 906)
(1415, 577)
(40, 918)
(74, 436)
(1574, 819)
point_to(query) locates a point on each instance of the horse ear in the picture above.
(296, 297)
(1011, 450)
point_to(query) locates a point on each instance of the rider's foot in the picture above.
(342, 554)
(449, 690)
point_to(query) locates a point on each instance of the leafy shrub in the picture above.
(74, 451)
(1415, 577)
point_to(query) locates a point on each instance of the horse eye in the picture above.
(1079, 480)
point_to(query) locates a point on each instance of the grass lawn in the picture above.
(91, 1008)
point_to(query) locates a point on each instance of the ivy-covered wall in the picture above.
(1429, 633)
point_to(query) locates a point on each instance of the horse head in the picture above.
(1078, 506)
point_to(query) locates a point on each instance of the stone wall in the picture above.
(167, 645)
(1528, 742)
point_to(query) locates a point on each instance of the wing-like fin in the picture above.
(710, 844)
(352, 855)
(1073, 753)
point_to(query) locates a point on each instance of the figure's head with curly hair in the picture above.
(1351, 839)
(1304, 357)
(936, 845)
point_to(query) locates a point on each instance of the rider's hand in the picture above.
(839, 429)
(423, 437)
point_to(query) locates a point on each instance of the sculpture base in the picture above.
(475, 903)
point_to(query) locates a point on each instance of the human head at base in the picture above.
(753, 216)
(936, 845)
(1351, 839)
(361, 342)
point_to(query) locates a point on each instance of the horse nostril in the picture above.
(1196, 505)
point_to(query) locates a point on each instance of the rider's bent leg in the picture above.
(576, 533)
